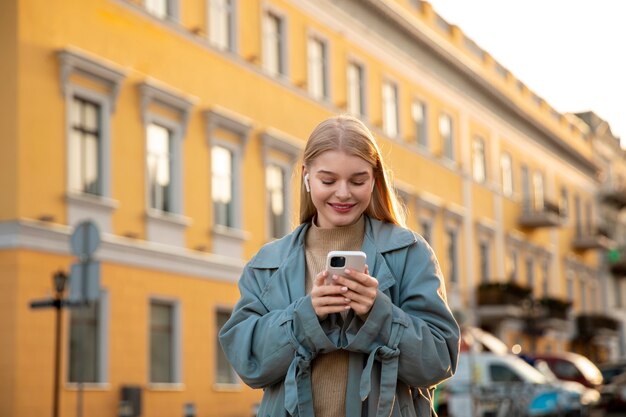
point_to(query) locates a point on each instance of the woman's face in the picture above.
(341, 187)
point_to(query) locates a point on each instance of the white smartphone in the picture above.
(338, 261)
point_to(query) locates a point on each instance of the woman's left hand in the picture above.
(362, 289)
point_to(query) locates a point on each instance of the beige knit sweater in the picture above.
(329, 373)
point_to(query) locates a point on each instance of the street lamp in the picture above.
(59, 279)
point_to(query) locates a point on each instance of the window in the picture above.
(225, 372)
(390, 109)
(569, 277)
(588, 218)
(162, 8)
(453, 260)
(159, 167)
(506, 165)
(280, 154)
(318, 68)
(485, 261)
(275, 178)
(578, 215)
(545, 268)
(274, 48)
(538, 193)
(427, 230)
(356, 90)
(564, 203)
(526, 188)
(222, 186)
(85, 147)
(227, 134)
(90, 89)
(419, 115)
(479, 160)
(165, 115)
(222, 21)
(502, 373)
(163, 343)
(512, 265)
(447, 136)
(86, 343)
(530, 272)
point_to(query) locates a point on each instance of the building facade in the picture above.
(176, 126)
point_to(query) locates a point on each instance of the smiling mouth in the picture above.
(342, 207)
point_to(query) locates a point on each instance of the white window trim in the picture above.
(415, 138)
(177, 347)
(229, 240)
(291, 147)
(364, 102)
(283, 70)
(74, 62)
(233, 33)
(166, 227)
(223, 386)
(396, 88)
(173, 10)
(103, 348)
(326, 69)
(449, 156)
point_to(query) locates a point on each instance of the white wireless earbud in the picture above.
(306, 183)
(373, 183)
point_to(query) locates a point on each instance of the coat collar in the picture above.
(287, 255)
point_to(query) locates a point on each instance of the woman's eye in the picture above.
(327, 182)
(358, 183)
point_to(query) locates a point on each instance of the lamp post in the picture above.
(59, 279)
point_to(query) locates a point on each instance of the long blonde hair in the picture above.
(348, 134)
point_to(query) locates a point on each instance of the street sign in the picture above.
(85, 239)
(85, 282)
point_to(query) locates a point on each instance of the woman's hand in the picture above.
(326, 298)
(361, 290)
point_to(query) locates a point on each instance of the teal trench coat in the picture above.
(408, 344)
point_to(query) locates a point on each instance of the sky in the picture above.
(571, 53)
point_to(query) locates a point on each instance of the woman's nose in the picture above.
(343, 190)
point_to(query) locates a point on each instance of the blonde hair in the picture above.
(348, 134)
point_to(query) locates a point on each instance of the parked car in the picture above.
(488, 384)
(569, 366)
(614, 389)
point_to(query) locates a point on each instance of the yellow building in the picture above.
(176, 127)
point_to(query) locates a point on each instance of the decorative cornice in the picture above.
(54, 238)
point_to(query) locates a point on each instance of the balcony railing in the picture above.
(547, 214)
(614, 195)
(597, 239)
(502, 293)
(554, 308)
(590, 325)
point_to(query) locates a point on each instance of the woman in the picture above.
(367, 344)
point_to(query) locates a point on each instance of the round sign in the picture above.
(85, 239)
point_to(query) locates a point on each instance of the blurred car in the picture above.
(488, 384)
(569, 366)
(614, 394)
(610, 370)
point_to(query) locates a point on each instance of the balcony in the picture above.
(596, 239)
(534, 216)
(592, 325)
(555, 308)
(617, 262)
(614, 195)
(501, 300)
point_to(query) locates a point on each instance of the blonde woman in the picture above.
(368, 344)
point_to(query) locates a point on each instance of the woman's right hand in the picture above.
(328, 298)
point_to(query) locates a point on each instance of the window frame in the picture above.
(166, 227)
(236, 384)
(102, 359)
(506, 172)
(172, 11)
(362, 87)
(479, 159)
(232, 21)
(282, 47)
(176, 338)
(448, 148)
(394, 101)
(420, 129)
(77, 71)
(314, 36)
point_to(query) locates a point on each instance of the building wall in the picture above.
(425, 58)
